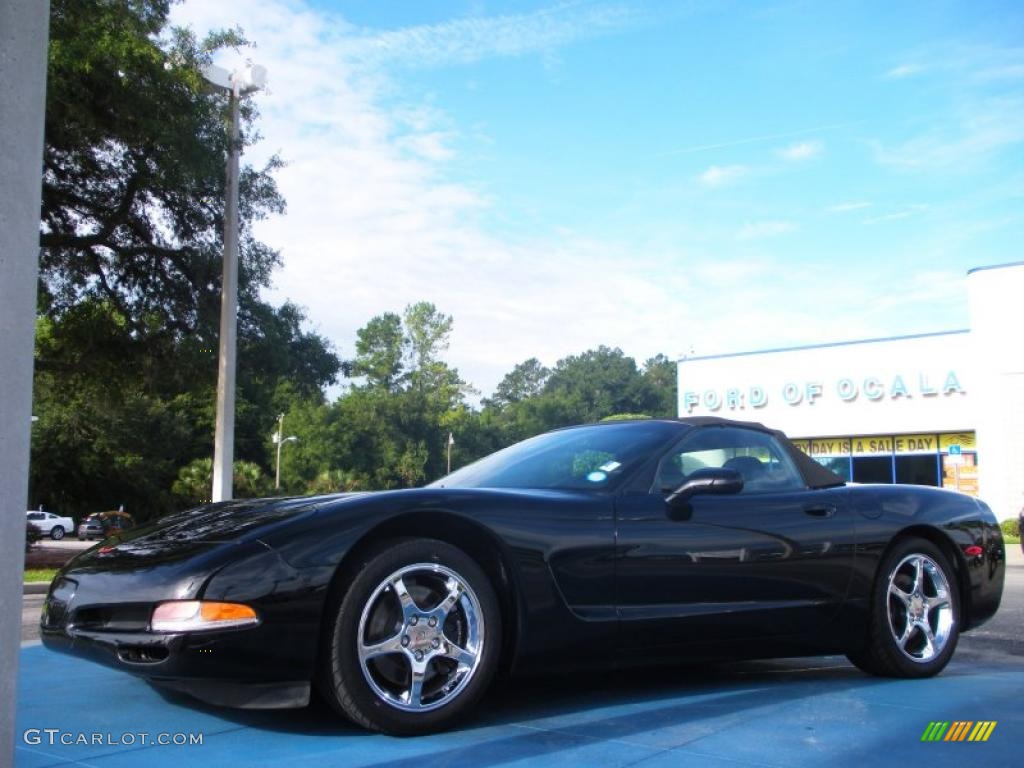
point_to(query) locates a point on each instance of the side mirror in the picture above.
(708, 480)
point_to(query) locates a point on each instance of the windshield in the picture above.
(592, 458)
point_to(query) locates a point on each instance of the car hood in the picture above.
(194, 542)
(227, 521)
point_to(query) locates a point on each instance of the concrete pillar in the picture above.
(24, 27)
(997, 327)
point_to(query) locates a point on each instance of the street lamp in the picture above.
(280, 442)
(239, 83)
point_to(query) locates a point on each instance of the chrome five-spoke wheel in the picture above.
(413, 637)
(420, 637)
(920, 609)
(914, 619)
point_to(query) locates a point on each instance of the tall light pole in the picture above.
(239, 83)
(281, 441)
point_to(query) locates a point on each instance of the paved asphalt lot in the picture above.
(785, 713)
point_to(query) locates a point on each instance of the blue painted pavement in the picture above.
(786, 713)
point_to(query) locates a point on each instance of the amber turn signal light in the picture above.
(199, 615)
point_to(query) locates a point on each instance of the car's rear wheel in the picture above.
(57, 532)
(413, 640)
(915, 613)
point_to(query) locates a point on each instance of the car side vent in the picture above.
(120, 618)
(142, 654)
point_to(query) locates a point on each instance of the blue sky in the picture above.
(658, 176)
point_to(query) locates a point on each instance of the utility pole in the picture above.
(451, 442)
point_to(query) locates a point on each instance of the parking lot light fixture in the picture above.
(238, 83)
(279, 442)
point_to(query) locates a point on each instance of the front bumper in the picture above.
(102, 613)
(231, 668)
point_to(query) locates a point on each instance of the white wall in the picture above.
(996, 301)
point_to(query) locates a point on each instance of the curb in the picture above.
(35, 587)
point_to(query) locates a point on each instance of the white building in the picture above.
(943, 408)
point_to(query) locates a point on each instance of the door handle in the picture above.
(824, 510)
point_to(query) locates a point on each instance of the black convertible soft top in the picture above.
(814, 474)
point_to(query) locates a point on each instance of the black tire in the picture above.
(892, 615)
(57, 532)
(360, 690)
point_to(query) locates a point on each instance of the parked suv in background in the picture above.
(50, 524)
(99, 525)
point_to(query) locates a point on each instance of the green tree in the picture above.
(390, 429)
(133, 182)
(102, 438)
(131, 223)
(426, 334)
(525, 380)
(192, 486)
(380, 352)
(598, 383)
(584, 388)
(412, 463)
(663, 377)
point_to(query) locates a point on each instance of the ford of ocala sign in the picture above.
(847, 389)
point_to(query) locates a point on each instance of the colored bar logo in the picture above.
(959, 730)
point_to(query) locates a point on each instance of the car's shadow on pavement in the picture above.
(599, 705)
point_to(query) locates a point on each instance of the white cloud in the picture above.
(985, 128)
(904, 70)
(760, 230)
(755, 139)
(803, 150)
(376, 218)
(848, 207)
(722, 175)
(927, 287)
(375, 223)
(988, 112)
(966, 62)
(903, 213)
(471, 39)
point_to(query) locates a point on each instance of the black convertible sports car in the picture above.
(603, 545)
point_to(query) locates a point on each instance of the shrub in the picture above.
(1011, 527)
(33, 533)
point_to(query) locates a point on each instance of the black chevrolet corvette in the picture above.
(596, 546)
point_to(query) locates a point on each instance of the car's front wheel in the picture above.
(915, 613)
(57, 532)
(413, 640)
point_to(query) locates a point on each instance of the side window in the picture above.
(36, 516)
(757, 456)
